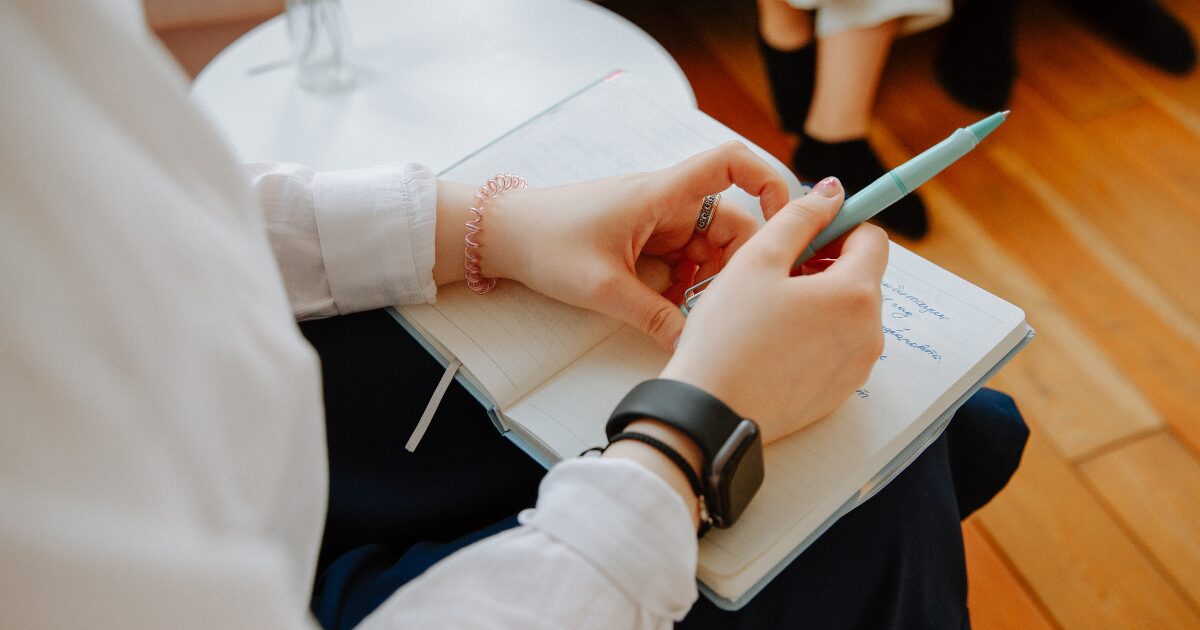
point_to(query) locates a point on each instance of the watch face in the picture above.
(736, 474)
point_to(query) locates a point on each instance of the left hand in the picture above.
(580, 243)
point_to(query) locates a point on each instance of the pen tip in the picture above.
(983, 127)
(1006, 112)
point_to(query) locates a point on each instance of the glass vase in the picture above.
(320, 40)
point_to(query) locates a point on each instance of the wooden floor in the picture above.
(1084, 209)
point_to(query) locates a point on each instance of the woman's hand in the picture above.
(580, 243)
(786, 350)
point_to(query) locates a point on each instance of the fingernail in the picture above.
(828, 187)
(675, 344)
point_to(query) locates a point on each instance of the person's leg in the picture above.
(986, 440)
(783, 26)
(977, 63)
(896, 561)
(393, 513)
(849, 65)
(785, 39)
(834, 140)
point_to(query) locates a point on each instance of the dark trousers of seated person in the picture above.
(894, 562)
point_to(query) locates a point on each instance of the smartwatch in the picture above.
(732, 470)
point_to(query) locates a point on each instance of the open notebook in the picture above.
(551, 373)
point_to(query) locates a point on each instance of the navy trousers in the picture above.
(894, 562)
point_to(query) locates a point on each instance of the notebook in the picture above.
(549, 373)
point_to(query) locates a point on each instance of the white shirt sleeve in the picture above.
(349, 241)
(610, 545)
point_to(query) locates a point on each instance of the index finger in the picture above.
(731, 164)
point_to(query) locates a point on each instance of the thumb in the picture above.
(787, 233)
(639, 306)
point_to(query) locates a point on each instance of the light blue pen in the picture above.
(886, 190)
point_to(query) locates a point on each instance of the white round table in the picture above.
(436, 80)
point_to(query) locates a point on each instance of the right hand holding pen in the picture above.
(786, 350)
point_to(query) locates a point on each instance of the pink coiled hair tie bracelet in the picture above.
(488, 191)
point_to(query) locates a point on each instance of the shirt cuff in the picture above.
(377, 229)
(628, 523)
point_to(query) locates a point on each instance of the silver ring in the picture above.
(707, 210)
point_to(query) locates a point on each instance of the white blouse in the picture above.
(162, 453)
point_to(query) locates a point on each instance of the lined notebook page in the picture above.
(607, 129)
(512, 340)
(568, 413)
(941, 334)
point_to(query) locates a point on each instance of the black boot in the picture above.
(792, 74)
(1142, 27)
(976, 64)
(854, 162)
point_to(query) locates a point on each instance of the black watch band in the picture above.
(693, 411)
(731, 445)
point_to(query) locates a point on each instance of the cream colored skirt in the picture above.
(835, 16)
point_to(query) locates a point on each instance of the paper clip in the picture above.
(693, 293)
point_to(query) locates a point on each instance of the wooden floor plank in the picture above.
(1153, 485)
(1074, 555)
(1163, 151)
(1182, 328)
(1066, 73)
(997, 597)
(1126, 197)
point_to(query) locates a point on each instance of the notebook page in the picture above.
(941, 335)
(605, 130)
(568, 412)
(512, 339)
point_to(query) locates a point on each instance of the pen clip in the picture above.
(693, 293)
